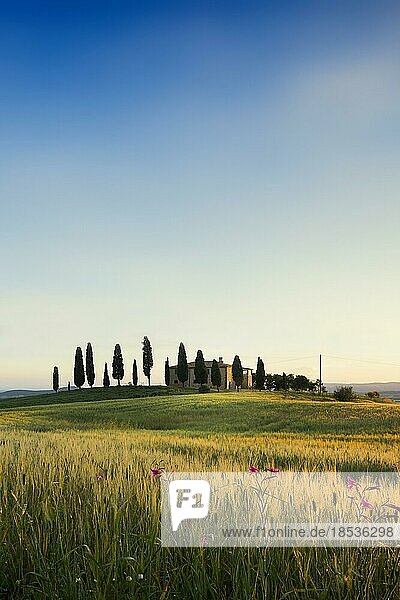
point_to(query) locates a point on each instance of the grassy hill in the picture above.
(247, 412)
(68, 534)
(88, 395)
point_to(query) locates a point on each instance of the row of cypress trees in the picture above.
(81, 373)
(201, 374)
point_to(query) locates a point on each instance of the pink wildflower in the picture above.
(254, 469)
(99, 477)
(156, 472)
(365, 503)
(351, 483)
(273, 470)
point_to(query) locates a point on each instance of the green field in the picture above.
(65, 534)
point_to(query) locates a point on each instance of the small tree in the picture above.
(289, 381)
(269, 382)
(237, 372)
(200, 369)
(260, 375)
(90, 374)
(79, 370)
(134, 373)
(147, 358)
(106, 378)
(56, 379)
(278, 381)
(344, 393)
(118, 364)
(313, 386)
(182, 370)
(167, 375)
(301, 383)
(215, 375)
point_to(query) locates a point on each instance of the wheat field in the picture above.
(80, 512)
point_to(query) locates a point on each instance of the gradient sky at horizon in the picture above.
(225, 174)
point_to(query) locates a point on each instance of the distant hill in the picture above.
(390, 389)
(22, 393)
(391, 386)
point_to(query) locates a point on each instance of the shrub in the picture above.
(343, 393)
(374, 394)
(203, 389)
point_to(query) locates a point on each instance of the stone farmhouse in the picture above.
(227, 382)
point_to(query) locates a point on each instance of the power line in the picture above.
(336, 357)
(362, 360)
(277, 362)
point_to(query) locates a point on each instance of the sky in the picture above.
(224, 174)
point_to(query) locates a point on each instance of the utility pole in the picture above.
(320, 374)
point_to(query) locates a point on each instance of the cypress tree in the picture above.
(79, 370)
(56, 379)
(90, 374)
(106, 378)
(215, 375)
(167, 373)
(237, 372)
(260, 374)
(182, 370)
(118, 364)
(134, 373)
(200, 369)
(147, 357)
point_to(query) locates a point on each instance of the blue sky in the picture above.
(226, 174)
